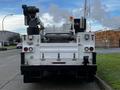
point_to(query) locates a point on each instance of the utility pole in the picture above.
(85, 8)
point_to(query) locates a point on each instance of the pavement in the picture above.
(10, 78)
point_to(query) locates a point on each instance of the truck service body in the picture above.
(70, 49)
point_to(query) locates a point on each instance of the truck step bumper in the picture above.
(70, 68)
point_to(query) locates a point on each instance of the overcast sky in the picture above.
(104, 13)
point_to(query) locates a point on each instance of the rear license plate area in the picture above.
(58, 62)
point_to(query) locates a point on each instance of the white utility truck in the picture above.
(68, 50)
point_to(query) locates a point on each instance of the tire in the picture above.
(27, 79)
(30, 78)
(90, 78)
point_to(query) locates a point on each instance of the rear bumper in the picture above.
(82, 69)
(69, 68)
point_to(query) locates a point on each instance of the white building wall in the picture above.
(5, 35)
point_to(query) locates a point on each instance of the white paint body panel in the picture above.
(47, 53)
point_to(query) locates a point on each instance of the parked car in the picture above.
(19, 46)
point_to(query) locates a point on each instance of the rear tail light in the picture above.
(86, 49)
(25, 49)
(91, 48)
(30, 49)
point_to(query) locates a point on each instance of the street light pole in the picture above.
(3, 27)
